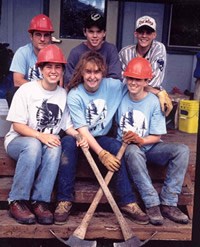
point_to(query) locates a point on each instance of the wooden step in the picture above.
(85, 191)
(7, 165)
(103, 225)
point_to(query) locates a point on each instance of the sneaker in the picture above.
(136, 214)
(42, 213)
(21, 213)
(155, 216)
(62, 212)
(173, 213)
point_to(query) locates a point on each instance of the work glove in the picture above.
(132, 137)
(109, 161)
(165, 102)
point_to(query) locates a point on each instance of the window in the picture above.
(183, 27)
(73, 14)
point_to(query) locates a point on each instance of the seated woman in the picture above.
(93, 101)
(38, 113)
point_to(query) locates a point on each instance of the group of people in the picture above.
(100, 86)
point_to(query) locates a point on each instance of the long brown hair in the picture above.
(90, 56)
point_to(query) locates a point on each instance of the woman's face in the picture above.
(92, 77)
(52, 74)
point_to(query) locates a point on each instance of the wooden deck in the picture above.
(104, 223)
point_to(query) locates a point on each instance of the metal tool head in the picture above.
(132, 242)
(74, 241)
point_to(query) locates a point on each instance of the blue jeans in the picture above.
(174, 156)
(36, 169)
(67, 171)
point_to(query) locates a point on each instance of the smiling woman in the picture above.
(38, 113)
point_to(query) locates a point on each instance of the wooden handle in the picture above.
(80, 231)
(126, 230)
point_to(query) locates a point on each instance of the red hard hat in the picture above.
(139, 68)
(41, 23)
(51, 54)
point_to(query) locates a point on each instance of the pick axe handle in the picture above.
(126, 230)
(80, 231)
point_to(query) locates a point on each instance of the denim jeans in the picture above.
(174, 156)
(67, 171)
(36, 169)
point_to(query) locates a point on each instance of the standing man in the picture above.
(23, 63)
(154, 51)
(95, 32)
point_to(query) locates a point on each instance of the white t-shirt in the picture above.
(42, 110)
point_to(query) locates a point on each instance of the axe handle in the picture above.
(80, 231)
(126, 230)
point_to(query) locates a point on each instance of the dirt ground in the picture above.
(100, 243)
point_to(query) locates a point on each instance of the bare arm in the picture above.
(132, 137)
(151, 139)
(93, 144)
(83, 142)
(18, 79)
(152, 90)
(48, 139)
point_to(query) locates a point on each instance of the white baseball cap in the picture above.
(146, 21)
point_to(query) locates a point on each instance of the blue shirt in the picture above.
(95, 110)
(143, 117)
(24, 63)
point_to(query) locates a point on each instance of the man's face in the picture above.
(95, 37)
(40, 39)
(145, 37)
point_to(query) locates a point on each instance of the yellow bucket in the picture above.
(188, 116)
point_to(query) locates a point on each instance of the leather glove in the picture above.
(165, 102)
(109, 161)
(131, 136)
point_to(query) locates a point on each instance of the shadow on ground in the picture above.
(100, 243)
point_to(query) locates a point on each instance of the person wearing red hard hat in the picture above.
(140, 124)
(39, 115)
(155, 52)
(23, 63)
(139, 68)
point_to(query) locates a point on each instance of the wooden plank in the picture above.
(7, 165)
(176, 136)
(85, 191)
(103, 225)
